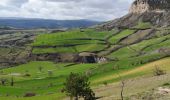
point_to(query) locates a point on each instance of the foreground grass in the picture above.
(56, 96)
(39, 82)
(40, 86)
(136, 72)
(48, 82)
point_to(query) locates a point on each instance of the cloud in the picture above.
(65, 9)
(16, 3)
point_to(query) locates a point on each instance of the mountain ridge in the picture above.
(33, 23)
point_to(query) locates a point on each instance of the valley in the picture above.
(134, 49)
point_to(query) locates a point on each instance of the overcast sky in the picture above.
(65, 9)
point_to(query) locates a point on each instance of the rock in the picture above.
(156, 12)
(141, 6)
(163, 91)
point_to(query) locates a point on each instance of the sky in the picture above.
(100, 10)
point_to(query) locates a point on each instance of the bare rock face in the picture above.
(156, 12)
(141, 6)
(14, 48)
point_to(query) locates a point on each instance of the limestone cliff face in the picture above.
(156, 12)
(141, 6)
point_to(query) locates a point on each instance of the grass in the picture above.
(146, 69)
(47, 86)
(56, 96)
(69, 37)
(90, 47)
(73, 49)
(165, 44)
(33, 69)
(40, 86)
(143, 25)
(146, 46)
(118, 37)
(73, 41)
(54, 50)
(39, 82)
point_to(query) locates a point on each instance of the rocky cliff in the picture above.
(141, 6)
(156, 12)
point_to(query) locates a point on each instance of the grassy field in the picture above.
(121, 35)
(138, 80)
(46, 78)
(39, 82)
(70, 37)
(71, 41)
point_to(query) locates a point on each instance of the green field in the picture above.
(46, 78)
(71, 41)
(115, 39)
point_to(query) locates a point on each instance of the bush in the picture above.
(105, 83)
(27, 75)
(166, 84)
(29, 94)
(157, 71)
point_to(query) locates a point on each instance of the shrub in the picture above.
(3, 81)
(157, 71)
(166, 84)
(29, 94)
(105, 83)
(27, 75)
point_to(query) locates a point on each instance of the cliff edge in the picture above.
(155, 12)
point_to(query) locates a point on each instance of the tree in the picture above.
(122, 87)
(78, 85)
(12, 81)
(40, 68)
(3, 81)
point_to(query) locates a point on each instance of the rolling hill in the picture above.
(31, 23)
(130, 46)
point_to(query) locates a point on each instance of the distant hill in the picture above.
(28, 23)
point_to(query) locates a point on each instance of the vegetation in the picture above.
(78, 86)
(143, 25)
(44, 79)
(72, 41)
(157, 71)
(121, 35)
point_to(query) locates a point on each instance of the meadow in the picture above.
(46, 78)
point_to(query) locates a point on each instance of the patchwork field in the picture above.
(131, 53)
(48, 87)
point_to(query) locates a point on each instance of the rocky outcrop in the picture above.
(141, 6)
(84, 57)
(157, 12)
(14, 48)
